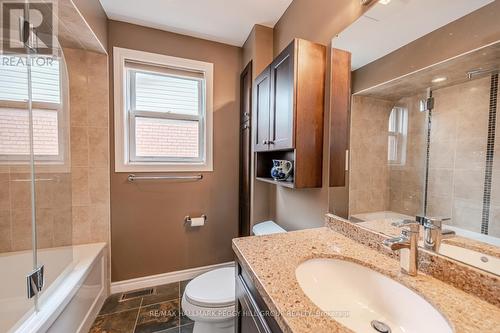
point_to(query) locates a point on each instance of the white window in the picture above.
(398, 126)
(46, 106)
(163, 113)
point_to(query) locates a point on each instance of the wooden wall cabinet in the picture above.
(288, 113)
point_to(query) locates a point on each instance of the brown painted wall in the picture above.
(477, 29)
(317, 21)
(147, 231)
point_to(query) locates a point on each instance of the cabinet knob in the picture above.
(265, 142)
(270, 142)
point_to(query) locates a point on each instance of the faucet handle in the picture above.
(435, 222)
(431, 222)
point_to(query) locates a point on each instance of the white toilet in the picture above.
(209, 299)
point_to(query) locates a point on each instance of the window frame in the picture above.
(124, 114)
(23, 106)
(400, 134)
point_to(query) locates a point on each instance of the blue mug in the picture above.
(281, 169)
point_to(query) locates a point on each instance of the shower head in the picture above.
(427, 103)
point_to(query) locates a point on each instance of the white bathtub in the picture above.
(72, 298)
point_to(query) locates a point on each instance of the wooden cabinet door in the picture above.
(282, 108)
(261, 105)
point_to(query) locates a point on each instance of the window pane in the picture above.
(44, 75)
(392, 150)
(166, 138)
(164, 93)
(392, 121)
(14, 132)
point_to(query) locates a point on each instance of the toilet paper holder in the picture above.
(187, 220)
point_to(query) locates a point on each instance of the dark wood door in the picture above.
(261, 109)
(282, 90)
(245, 149)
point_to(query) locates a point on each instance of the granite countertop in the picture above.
(271, 261)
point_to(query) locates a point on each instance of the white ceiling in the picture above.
(386, 28)
(225, 21)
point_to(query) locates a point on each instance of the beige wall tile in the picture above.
(467, 215)
(81, 224)
(469, 185)
(99, 141)
(5, 231)
(63, 226)
(99, 185)
(80, 186)
(471, 151)
(99, 223)
(441, 182)
(79, 146)
(494, 225)
(21, 229)
(44, 227)
(4, 191)
(44, 190)
(20, 191)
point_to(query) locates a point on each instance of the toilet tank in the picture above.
(267, 228)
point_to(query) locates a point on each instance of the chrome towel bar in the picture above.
(132, 177)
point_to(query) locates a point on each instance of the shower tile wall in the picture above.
(457, 157)
(406, 181)
(79, 194)
(89, 95)
(458, 153)
(369, 171)
(53, 200)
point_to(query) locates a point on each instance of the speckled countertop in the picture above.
(271, 261)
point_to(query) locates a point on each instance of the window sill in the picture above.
(164, 167)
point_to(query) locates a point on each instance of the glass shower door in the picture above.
(17, 213)
(35, 177)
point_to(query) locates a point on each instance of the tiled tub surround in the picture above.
(80, 194)
(89, 94)
(53, 212)
(467, 278)
(159, 312)
(271, 262)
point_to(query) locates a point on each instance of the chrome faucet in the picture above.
(407, 244)
(433, 231)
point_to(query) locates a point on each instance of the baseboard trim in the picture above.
(154, 280)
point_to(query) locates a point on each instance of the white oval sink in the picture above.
(355, 296)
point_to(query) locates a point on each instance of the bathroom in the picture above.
(249, 166)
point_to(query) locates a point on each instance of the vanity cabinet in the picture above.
(253, 314)
(288, 113)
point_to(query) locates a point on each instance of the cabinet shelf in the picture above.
(285, 183)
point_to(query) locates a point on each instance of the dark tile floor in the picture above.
(159, 312)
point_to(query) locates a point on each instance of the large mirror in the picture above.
(423, 142)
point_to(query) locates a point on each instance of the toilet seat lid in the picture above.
(213, 289)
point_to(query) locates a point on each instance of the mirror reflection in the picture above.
(425, 147)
